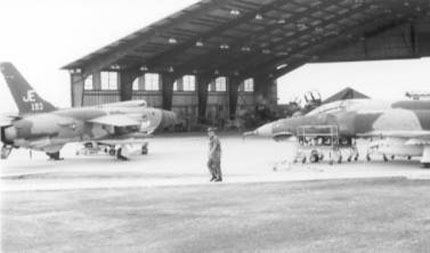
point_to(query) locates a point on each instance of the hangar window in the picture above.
(88, 83)
(189, 83)
(139, 83)
(109, 80)
(152, 81)
(211, 86)
(248, 85)
(221, 84)
(175, 86)
(136, 84)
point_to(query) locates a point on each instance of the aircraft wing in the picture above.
(117, 120)
(407, 134)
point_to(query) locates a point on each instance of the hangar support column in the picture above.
(77, 87)
(203, 82)
(265, 91)
(126, 83)
(233, 93)
(167, 81)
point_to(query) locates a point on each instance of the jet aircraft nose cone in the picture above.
(265, 130)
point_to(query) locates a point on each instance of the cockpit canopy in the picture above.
(349, 104)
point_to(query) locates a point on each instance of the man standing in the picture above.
(214, 156)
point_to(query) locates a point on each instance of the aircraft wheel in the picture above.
(120, 156)
(144, 150)
(349, 159)
(368, 158)
(314, 158)
(304, 160)
(425, 165)
(112, 152)
(392, 157)
(330, 162)
(409, 157)
(339, 160)
(356, 158)
(385, 158)
(54, 156)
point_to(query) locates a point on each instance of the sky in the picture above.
(40, 37)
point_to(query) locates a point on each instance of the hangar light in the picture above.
(301, 26)
(234, 12)
(216, 72)
(224, 46)
(143, 68)
(171, 69)
(172, 41)
(199, 43)
(281, 21)
(281, 66)
(115, 67)
(75, 71)
(245, 49)
(259, 17)
(266, 51)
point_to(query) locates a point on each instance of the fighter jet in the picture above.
(399, 128)
(41, 126)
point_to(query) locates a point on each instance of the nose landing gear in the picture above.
(5, 151)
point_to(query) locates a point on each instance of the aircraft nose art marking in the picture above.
(397, 120)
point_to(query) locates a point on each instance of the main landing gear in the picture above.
(119, 155)
(55, 156)
(5, 151)
(425, 165)
(144, 150)
(119, 151)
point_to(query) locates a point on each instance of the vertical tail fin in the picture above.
(26, 98)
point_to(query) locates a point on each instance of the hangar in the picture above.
(218, 58)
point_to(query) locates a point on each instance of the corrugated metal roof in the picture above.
(250, 37)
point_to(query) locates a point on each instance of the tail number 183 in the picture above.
(36, 106)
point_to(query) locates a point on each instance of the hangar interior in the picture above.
(218, 60)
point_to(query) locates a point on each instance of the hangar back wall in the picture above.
(205, 102)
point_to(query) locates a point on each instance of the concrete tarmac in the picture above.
(164, 202)
(179, 160)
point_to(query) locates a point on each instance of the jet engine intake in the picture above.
(6, 135)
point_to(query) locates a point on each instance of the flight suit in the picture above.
(214, 158)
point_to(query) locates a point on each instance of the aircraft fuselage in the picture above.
(403, 126)
(50, 131)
